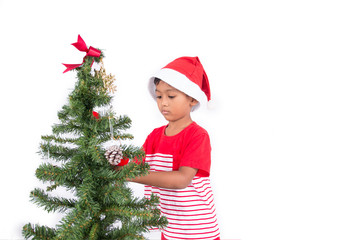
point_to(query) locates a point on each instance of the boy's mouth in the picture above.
(165, 112)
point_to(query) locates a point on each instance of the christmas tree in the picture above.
(103, 206)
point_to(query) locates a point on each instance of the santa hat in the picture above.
(187, 75)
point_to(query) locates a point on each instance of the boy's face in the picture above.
(173, 104)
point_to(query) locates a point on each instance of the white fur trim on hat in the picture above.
(181, 83)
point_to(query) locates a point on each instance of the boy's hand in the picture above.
(179, 179)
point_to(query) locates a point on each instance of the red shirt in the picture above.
(190, 211)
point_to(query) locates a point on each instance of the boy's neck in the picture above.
(174, 128)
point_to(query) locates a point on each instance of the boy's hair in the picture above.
(156, 81)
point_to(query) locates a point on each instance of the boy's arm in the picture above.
(172, 180)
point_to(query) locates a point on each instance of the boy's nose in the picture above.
(164, 103)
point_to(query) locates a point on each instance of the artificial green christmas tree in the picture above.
(103, 206)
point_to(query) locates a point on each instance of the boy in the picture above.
(179, 153)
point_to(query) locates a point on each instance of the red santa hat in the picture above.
(187, 75)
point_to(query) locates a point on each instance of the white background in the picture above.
(284, 122)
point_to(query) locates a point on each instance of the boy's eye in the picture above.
(158, 97)
(171, 97)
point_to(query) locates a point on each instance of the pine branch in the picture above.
(52, 187)
(115, 193)
(66, 128)
(94, 232)
(76, 225)
(103, 129)
(129, 212)
(38, 232)
(157, 221)
(51, 204)
(102, 99)
(133, 152)
(146, 206)
(58, 139)
(61, 175)
(135, 228)
(56, 152)
(122, 123)
(133, 170)
(124, 234)
(86, 193)
(65, 114)
(106, 136)
(129, 171)
(144, 203)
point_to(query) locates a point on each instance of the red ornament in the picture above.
(123, 162)
(96, 115)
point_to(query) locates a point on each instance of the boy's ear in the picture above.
(193, 102)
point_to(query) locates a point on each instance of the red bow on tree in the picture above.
(81, 46)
